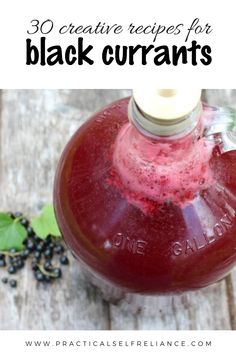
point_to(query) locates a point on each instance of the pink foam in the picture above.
(148, 170)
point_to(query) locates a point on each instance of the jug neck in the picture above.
(161, 168)
(163, 128)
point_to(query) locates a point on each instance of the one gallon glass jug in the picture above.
(145, 192)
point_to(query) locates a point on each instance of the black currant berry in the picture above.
(47, 265)
(40, 247)
(47, 240)
(50, 246)
(39, 276)
(24, 222)
(13, 283)
(34, 266)
(13, 260)
(4, 280)
(30, 231)
(18, 214)
(48, 253)
(19, 264)
(64, 260)
(30, 245)
(37, 255)
(59, 249)
(36, 239)
(57, 272)
(25, 254)
(2, 263)
(11, 269)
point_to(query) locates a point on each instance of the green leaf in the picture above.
(46, 223)
(12, 233)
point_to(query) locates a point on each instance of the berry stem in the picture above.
(16, 220)
(42, 270)
(10, 254)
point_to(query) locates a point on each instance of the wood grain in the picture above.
(34, 127)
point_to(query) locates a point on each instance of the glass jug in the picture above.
(145, 192)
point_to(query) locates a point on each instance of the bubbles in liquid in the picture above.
(175, 168)
(202, 181)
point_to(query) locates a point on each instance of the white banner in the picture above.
(117, 44)
(62, 342)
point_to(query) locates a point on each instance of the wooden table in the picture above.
(34, 127)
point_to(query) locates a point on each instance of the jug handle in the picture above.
(220, 126)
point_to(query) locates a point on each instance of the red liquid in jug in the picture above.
(148, 216)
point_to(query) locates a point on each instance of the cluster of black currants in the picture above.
(41, 254)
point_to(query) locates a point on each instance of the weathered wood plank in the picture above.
(203, 309)
(34, 127)
(231, 291)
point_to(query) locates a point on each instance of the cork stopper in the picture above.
(166, 104)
